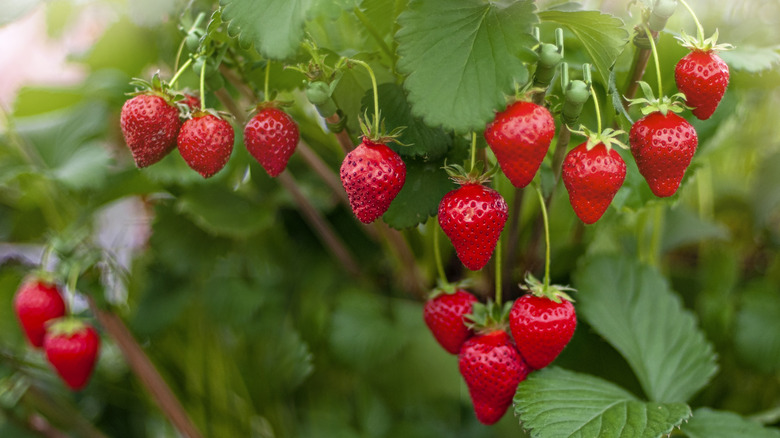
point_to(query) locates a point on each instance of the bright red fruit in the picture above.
(444, 314)
(36, 302)
(663, 146)
(492, 369)
(72, 351)
(520, 137)
(149, 125)
(205, 142)
(271, 137)
(703, 77)
(192, 102)
(372, 175)
(541, 328)
(473, 217)
(592, 178)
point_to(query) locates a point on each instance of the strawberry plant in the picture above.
(226, 218)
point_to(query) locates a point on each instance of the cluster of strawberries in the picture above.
(491, 362)
(71, 345)
(152, 126)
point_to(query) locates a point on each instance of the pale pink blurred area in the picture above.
(28, 56)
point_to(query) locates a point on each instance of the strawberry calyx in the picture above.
(65, 326)
(157, 87)
(553, 292)
(674, 103)
(607, 137)
(462, 177)
(377, 132)
(445, 287)
(702, 44)
(489, 317)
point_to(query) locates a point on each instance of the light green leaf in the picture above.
(757, 330)
(709, 423)
(602, 35)
(461, 57)
(222, 212)
(631, 306)
(274, 27)
(426, 183)
(685, 227)
(559, 403)
(420, 139)
(751, 59)
(766, 197)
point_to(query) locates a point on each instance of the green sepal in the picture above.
(553, 292)
(489, 317)
(664, 104)
(476, 175)
(608, 137)
(445, 287)
(367, 124)
(705, 45)
(67, 326)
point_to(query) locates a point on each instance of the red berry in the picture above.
(444, 317)
(73, 353)
(592, 178)
(192, 102)
(473, 217)
(663, 147)
(541, 328)
(519, 137)
(703, 77)
(492, 369)
(372, 175)
(271, 137)
(36, 302)
(205, 142)
(149, 125)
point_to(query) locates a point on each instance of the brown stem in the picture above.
(564, 136)
(320, 225)
(144, 369)
(226, 100)
(237, 82)
(54, 415)
(323, 171)
(342, 136)
(637, 72)
(412, 279)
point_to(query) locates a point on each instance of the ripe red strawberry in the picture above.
(473, 217)
(663, 146)
(271, 137)
(520, 137)
(703, 77)
(36, 302)
(444, 315)
(541, 328)
(72, 347)
(205, 142)
(192, 102)
(372, 175)
(149, 124)
(492, 369)
(592, 177)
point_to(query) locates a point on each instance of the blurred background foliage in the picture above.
(259, 331)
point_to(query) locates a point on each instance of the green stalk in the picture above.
(180, 71)
(473, 150)
(267, 78)
(498, 271)
(655, 238)
(437, 255)
(699, 29)
(203, 86)
(657, 62)
(376, 92)
(543, 206)
(596, 105)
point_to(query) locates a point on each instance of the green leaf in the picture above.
(757, 330)
(86, 168)
(765, 197)
(709, 423)
(426, 183)
(602, 35)
(751, 59)
(685, 227)
(461, 57)
(555, 402)
(420, 139)
(222, 212)
(274, 27)
(631, 306)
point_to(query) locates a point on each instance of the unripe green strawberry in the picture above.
(520, 136)
(703, 77)
(271, 137)
(372, 175)
(205, 142)
(37, 302)
(541, 328)
(592, 177)
(663, 147)
(444, 316)
(71, 348)
(149, 125)
(473, 217)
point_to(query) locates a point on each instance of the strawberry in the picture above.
(473, 217)
(35, 303)
(541, 327)
(149, 125)
(443, 314)
(663, 146)
(372, 175)
(520, 137)
(191, 101)
(703, 77)
(592, 174)
(271, 137)
(71, 348)
(492, 369)
(205, 142)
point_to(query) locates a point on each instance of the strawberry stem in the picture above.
(267, 77)
(498, 271)
(375, 88)
(73, 278)
(203, 86)
(655, 59)
(596, 105)
(473, 150)
(437, 254)
(699, 29)
(543, 206)
(179, 72)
